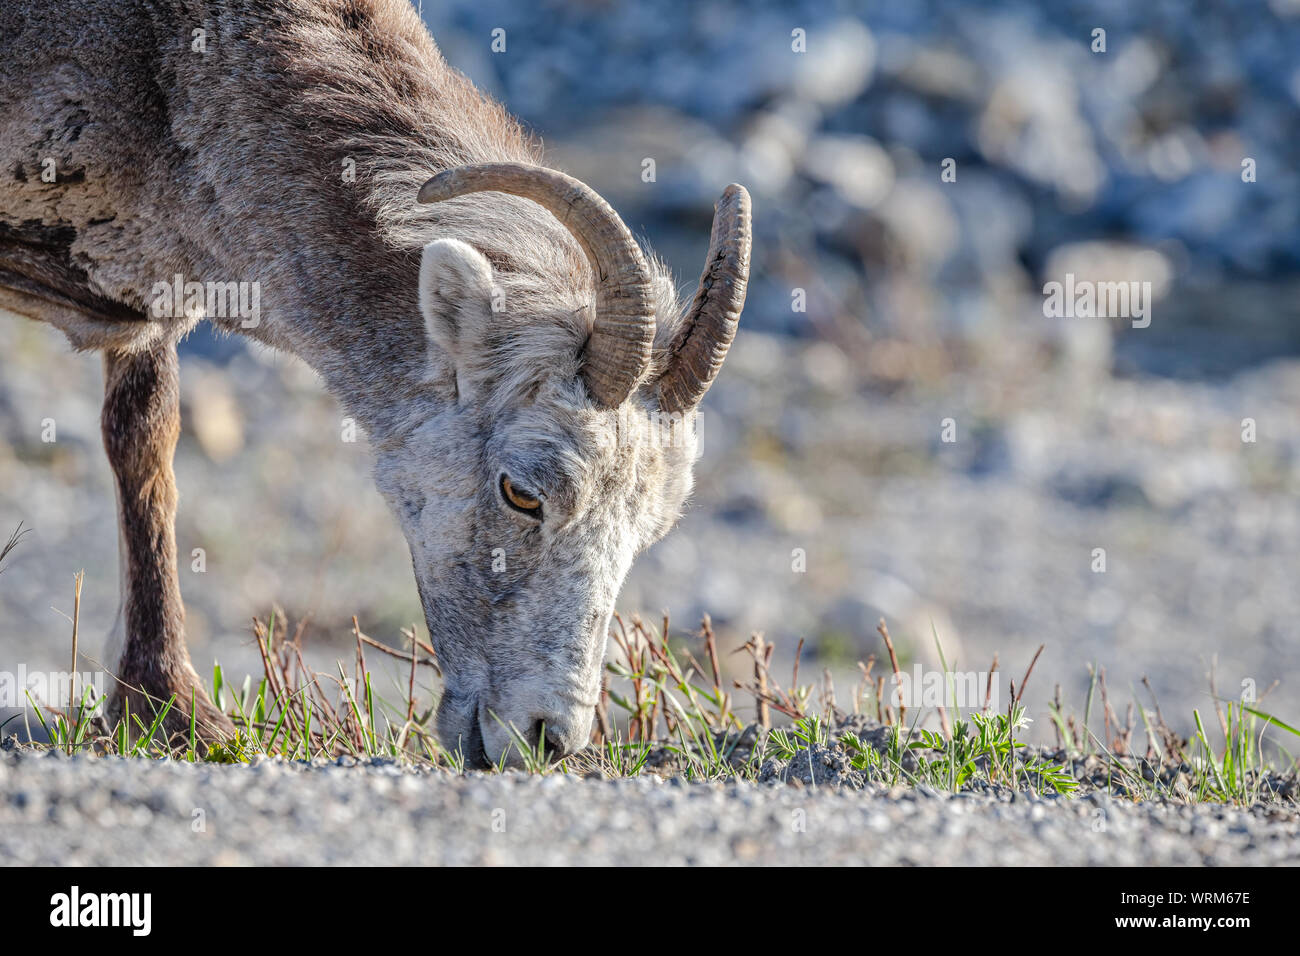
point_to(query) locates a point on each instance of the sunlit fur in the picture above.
(230, 165)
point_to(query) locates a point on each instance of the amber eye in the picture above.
(519, 500)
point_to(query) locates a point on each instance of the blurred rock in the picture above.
(209, 409)
(838, 63)
(855, 166)
(1099, 262)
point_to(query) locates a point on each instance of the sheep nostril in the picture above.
(553, 740)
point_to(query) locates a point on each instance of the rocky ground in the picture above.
(80, 811)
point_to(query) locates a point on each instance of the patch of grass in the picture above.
(667, 708)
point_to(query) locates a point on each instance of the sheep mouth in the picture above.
(473, 751)
(461, 731)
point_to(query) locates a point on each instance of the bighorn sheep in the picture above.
(491, 323)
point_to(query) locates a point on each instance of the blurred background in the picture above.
(886, 299)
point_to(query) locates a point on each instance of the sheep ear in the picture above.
(455, 297)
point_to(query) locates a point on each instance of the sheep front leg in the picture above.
(141, 422)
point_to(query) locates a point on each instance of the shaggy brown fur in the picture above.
(215, 140)
(229, 164)
(141, 422)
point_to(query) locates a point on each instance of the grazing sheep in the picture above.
(312, 173)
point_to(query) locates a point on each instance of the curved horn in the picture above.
(618, 352)
(709, 327)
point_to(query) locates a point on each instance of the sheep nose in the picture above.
(560, 742)
(561, 729)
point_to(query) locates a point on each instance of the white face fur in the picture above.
(524, 506)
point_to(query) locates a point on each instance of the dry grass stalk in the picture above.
(893, 660)
(760, 680)
(988, 686)
(1056, 727)
(1029, 670)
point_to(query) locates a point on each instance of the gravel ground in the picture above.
(81, 811)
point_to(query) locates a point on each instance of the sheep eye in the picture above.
(521, 501)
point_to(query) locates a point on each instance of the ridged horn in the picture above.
(618, 351)
(705, 336)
